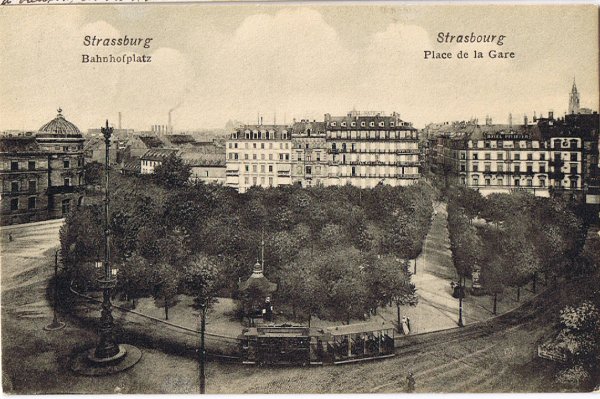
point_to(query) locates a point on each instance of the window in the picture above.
(253, 145)
(573, 156)
(247, 168)
(245, 156)
(529, 183)
(299, 169)
(31, 202)
(270, 182)
(254, 168)
(270, 168)
(517, 169)
(318, 156)
(517, 182)
(463, 155)
(246, 180)
(573, 183)
(270, 157)
(31, 165)
(66, 164)
(475, 168)
(262, 146)
(32, 186)
(262, 168)
(500, 182)
(253, 156)
(542, 168)
(463, 168)
(14, 204)
(262, 180)
(67, 181)
(529, 156)
(573, 169)
(475, 155)
(488, 182)
(488, 168)
(542, 182)
(475, 180)
(254, 180)
(486, 144)
(488, 156)
(517, 157)
(529, 168)
(500, 156)
(14, 166)
(308, 170)
(463, 180)
(542, 156)
(262, 156)
(354, 168)
(500, 167)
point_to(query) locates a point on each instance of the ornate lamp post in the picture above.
(107, 347)
(108, 356)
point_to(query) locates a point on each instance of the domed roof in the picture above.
(60, 125)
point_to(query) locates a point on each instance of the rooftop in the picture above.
(59, 126)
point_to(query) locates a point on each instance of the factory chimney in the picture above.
(170, 123)
(119, 120)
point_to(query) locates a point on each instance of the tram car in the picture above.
(301, 345)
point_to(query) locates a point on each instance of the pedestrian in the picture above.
(410, 382)
(408, 324)
(10, 237)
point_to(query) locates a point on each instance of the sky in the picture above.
(217, 62)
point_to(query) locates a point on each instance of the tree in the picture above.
(93, 173)
(172, 172)
(200, 281)
(136, 277)
(300, 287)
(493, 274)
(165, 294)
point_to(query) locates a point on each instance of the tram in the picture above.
(301, 345)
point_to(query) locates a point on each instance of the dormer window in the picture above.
(381, 124)
(333, 123)
(353, 124)
(363, 124)
(343, 124)
(391, 124)
(372, 124)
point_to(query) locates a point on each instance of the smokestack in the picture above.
(261, 120)
(525, 120)
(550, 114)
(170, 123)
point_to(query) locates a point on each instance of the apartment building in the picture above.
(259, 155)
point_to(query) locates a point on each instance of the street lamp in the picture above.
(55, 325)
(108, 357)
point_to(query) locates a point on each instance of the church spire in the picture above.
(574, 99)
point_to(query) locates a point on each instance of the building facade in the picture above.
(42, 175)
(63, 141)
(153, 158)
(367, 149)
(542, 159)
(24, 176)
(309, 154)
(259, 155)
